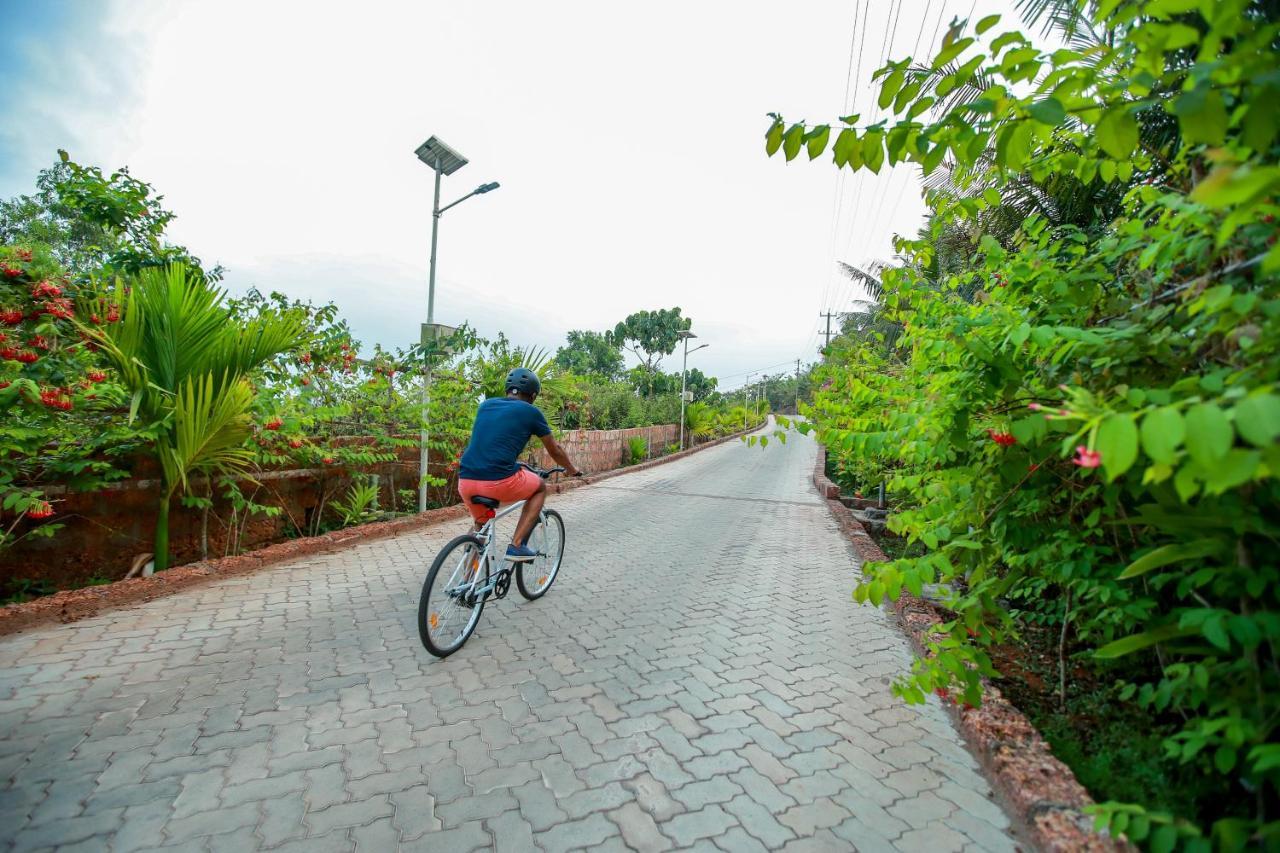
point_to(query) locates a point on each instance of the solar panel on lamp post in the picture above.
(444, 161)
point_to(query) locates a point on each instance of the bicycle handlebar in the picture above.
(544, 473)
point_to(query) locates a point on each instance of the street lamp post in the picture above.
(443, 160)
(685, 334)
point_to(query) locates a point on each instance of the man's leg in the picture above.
(529, 514)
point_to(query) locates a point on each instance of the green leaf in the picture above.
(987, 23)
(1013, 147)
(818, 141)
(1162, 434)
(1049, 111)
(1118, 444)
(892, 84)
(1169, 554)
(1208, 434)
(1164, 839)
(1118, 133)
(1202, 115)
(1235, 469)
(950, 52)
(791, 141)
(1258, 419)
(1143, 640)
(773, 138)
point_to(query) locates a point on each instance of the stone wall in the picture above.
(105, 531)
(606, 449)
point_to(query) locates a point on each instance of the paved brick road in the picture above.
(698, 678)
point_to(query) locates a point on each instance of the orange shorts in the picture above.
(519, 486)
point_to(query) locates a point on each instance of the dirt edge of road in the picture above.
(75, 604)
(1041, 795)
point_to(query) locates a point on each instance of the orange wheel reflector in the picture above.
(542, 580)
(433, 620)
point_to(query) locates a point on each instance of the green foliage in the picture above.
(360, 502)
(593, 354)
(650, 335)
(1072, 383)
(637, 450)
(186, 367)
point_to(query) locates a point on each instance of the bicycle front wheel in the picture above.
(447, 613)
(535, 577)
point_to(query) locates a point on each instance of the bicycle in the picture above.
(476, 570)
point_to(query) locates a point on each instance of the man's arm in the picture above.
(556, 452)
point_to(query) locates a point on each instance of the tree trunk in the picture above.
(162, 532)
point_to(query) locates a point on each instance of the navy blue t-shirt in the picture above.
(502, 429)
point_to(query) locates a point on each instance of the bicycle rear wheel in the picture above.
(446, 617)
(535, 577)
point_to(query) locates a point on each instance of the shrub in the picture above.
(1071, 381)
(637, 450)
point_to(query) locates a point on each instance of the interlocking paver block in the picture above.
(699, 677)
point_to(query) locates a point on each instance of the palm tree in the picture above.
(187, 363)
(699, 419)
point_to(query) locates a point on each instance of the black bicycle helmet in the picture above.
(523, 380)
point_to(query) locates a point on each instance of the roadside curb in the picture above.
(75, 604)
(1041, 795)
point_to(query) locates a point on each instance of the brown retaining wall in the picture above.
(105, 531)
(75, 604)
(1041, 795)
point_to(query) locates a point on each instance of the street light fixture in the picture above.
(443, 160)
(684, 335)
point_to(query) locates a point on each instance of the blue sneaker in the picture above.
(520, 553)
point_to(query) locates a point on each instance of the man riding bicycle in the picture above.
(488, 466)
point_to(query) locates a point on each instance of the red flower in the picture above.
(40, 510)
(1087, 458)
(9, 353)
(295, 443)
(1035, 407)
(11, 317)
(942, 692)
(273, 424)
(113, 314)
(95, 319)
(12, 272)
(40, 342)
(25, 255)
(306, 380)
(4, 385)
(27, 357)
(1033, 467)
(328, 460)
(44, 289)
(97, 376)
(1003, 439)
(305, 358)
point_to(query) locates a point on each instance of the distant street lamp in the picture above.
(443, 160)
(684, 336)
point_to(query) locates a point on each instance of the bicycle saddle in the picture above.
(491, 503)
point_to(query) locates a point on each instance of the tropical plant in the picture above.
(699, 419)
(361, 498)
(1080, 416)
(187, 368)
(591, 354)
(637, 450)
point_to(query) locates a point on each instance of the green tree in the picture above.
(650, 335)
(93, 223)
(187, 367)
(591, 354)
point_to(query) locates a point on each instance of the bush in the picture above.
(1071, 381)
(637, 450)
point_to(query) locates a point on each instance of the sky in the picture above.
(628, 141)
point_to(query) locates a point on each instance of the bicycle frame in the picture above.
(491, 578)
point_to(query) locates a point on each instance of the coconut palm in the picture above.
(187, 363)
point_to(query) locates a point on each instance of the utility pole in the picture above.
(797, 386)
(828, 315)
